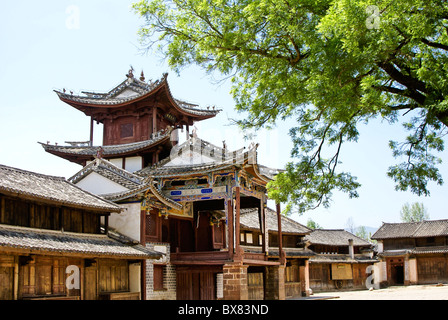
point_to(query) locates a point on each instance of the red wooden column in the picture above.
(280, 236)
(143, 242)
(264, 245)
(154, 120)
(91, 131)
(230, 227)
(237, 220)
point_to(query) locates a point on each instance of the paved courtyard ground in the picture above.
(418, 292)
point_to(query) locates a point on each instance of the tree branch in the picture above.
(401, 78)
(435, 44)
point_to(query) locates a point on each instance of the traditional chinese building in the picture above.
(49, 226)
(341, 260)
(413, 252)
(182, 200)
(296, 256)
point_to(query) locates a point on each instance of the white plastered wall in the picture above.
(98, 184)
(128, 221)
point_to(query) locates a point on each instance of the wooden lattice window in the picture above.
(152, 226)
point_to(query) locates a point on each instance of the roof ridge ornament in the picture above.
(130, 72)
(100, 153)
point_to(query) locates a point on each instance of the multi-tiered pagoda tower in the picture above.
(140, 121)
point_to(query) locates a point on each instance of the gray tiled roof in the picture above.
(52, 189)
(273, 251)
(342, 258)
(334, 237)
(140, 89)
(414, 250)
(217, 158)
(164, 172)
(249, 219)
(429, 228)
(52, 241)
(111, 150)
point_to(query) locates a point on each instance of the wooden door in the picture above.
(432, 269)
(90, 283)
(6, 283)
(184, 286)
(207, 283)
(195, 285)
(43, 279)
(255, 285)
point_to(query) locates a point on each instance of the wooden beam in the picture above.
(91, 131)
(230, 227)
(255, 262)
(16, 277)
(143, 280)
(154, 119)
(264, 245)
(65, 254)
(280, 236)
(237, 220)
(143, 227)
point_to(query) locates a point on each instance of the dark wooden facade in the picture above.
(26, 213)
(294, 256)
(341, 260)
(202, 243)
(43, 277)
(55, 244)
(323, 278)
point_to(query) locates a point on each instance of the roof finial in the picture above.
(99, 153)
(130, 73)
(142, 77)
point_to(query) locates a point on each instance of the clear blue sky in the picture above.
(90, 45)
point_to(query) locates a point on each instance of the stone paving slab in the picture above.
(416, 292)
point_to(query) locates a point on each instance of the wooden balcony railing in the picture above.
(201, 257)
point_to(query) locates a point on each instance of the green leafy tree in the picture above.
(313, 224)
(330, 65)
(413, 213)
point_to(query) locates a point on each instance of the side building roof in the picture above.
(334, 237)
(249, 219)
(57, 242)
(427, 228)
(50, 189)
